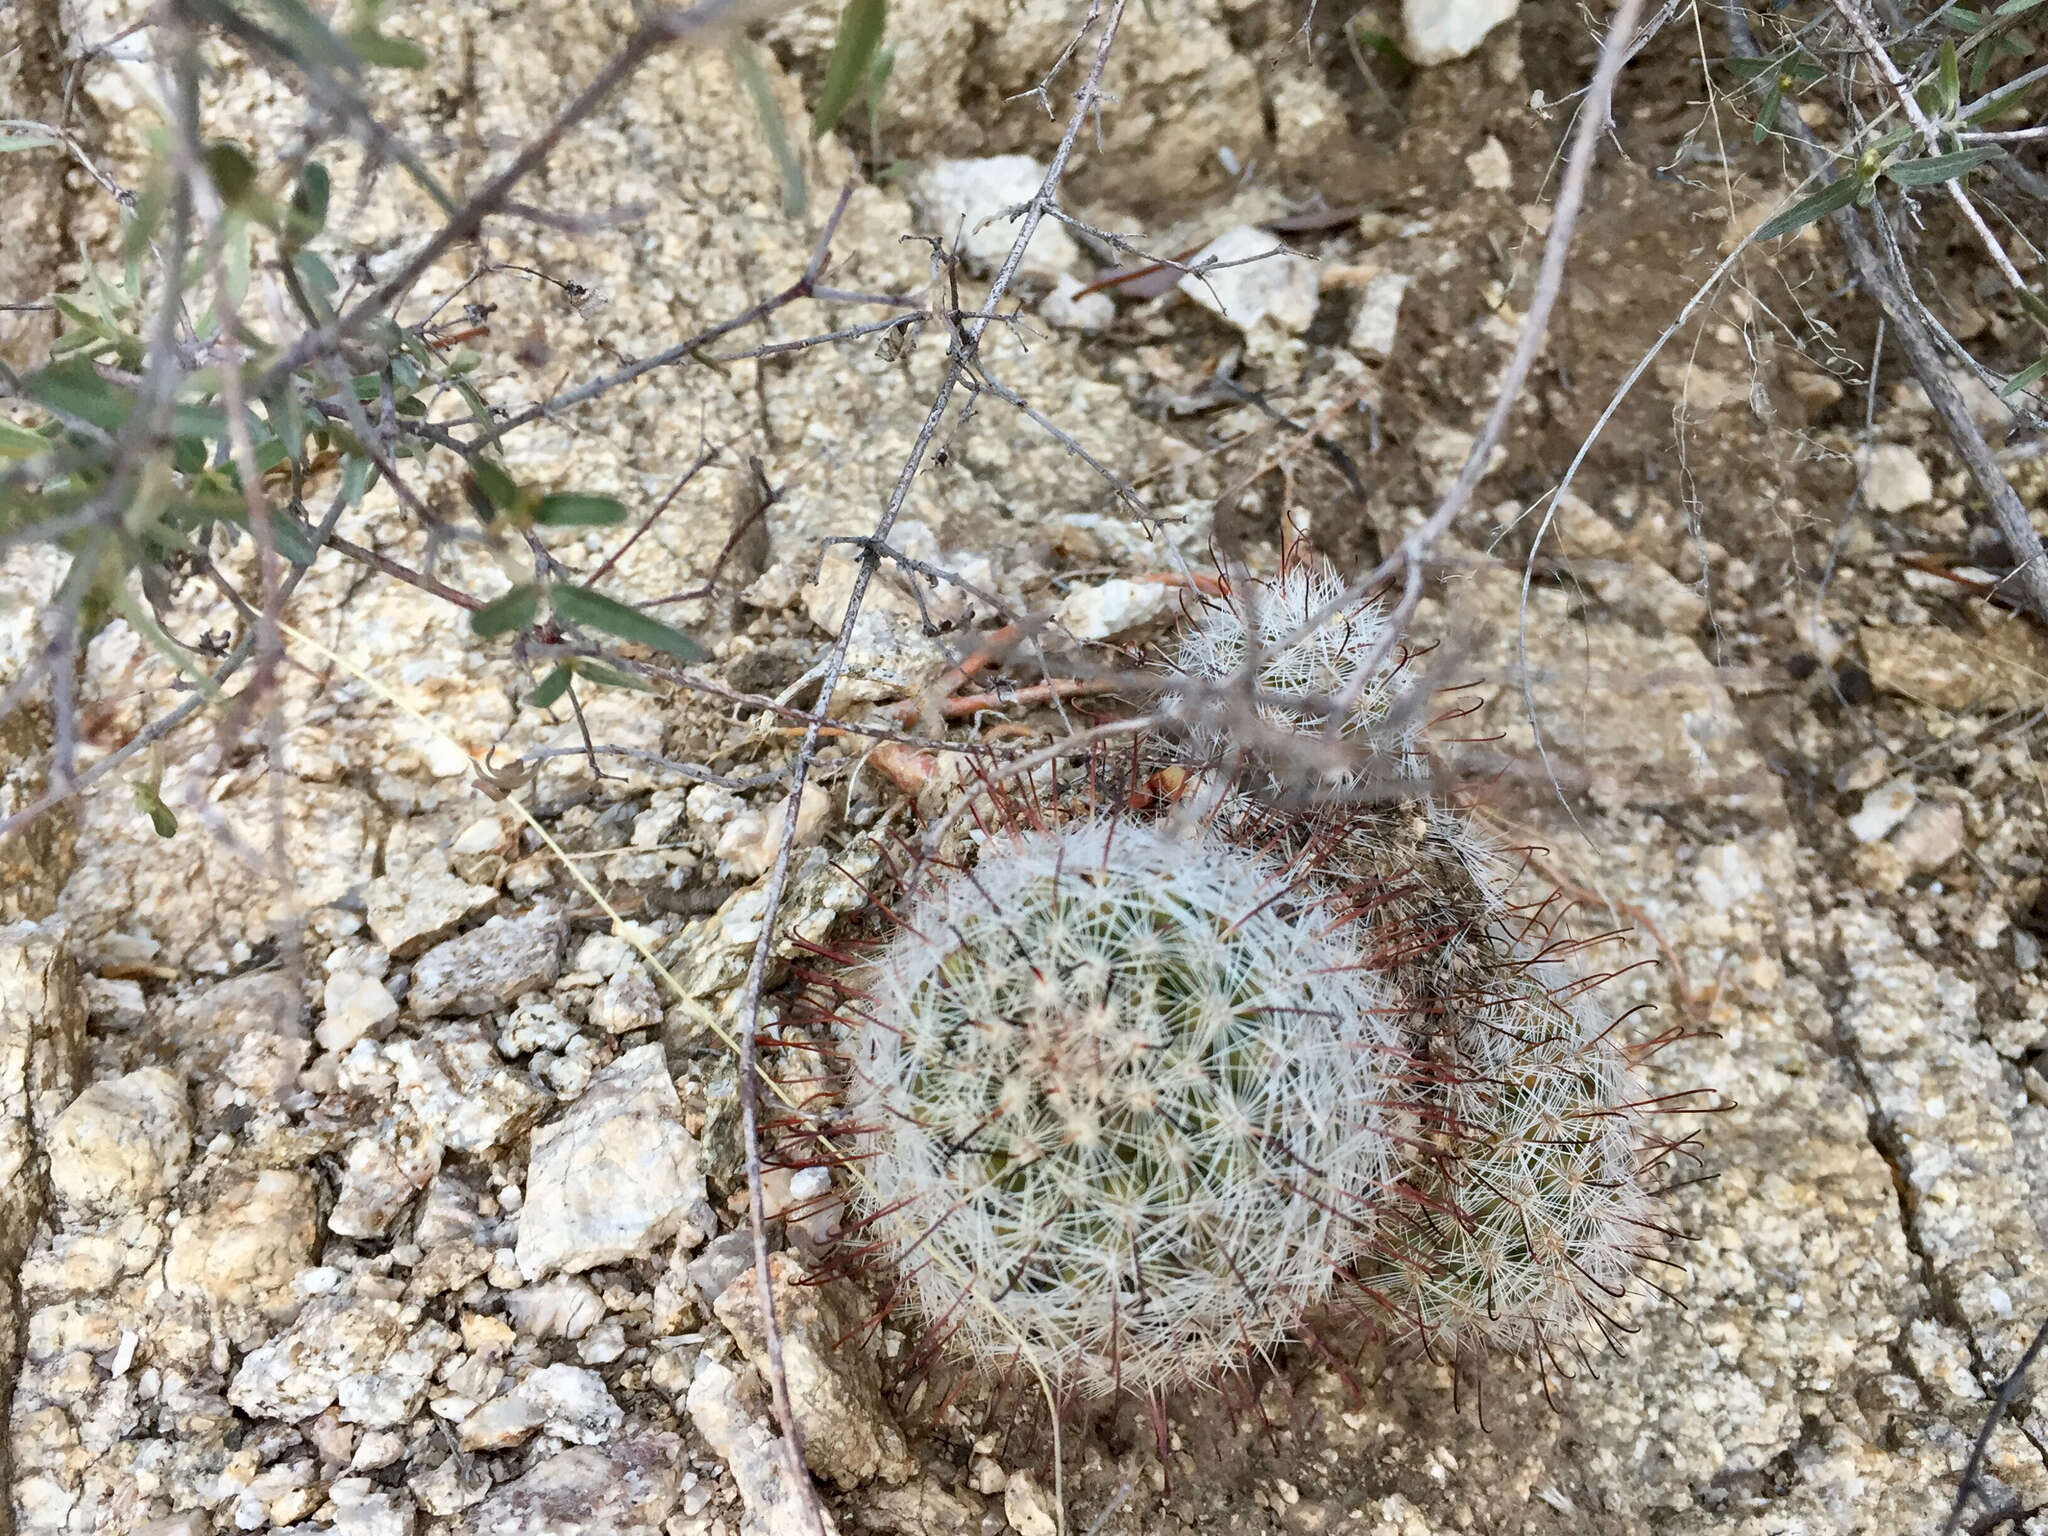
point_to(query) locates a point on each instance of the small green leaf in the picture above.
(747, 65)
(860, 34)
(231, 172)
(294, 540)
(269, 453)
(1939, 168)
(316, 275)
(1767, 114)
(489, 481)
(580, 605)
(151, 804)
(307, 215)
(1836, 194)
(611, 677)
(198, 421)
(389, 52)
(2027, 377)
(1980, 68)
(82, 317)
(12, 141)
(73, 388)
(569, 509)
(551, 687)
(2015, 8)
(1949, 80)
(288, 421)
(514, 611)
(877, 83)
(356, 474)
(17, 442)
(479, 409)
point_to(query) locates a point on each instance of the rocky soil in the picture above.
(384, 1190)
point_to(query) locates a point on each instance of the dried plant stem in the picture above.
(1410, 557)
(663, 30)
(2001, 1402)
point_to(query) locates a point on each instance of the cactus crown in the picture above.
(1327, 663)
(1127, 1088)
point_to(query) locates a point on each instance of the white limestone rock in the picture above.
(626, 1488)
(413, 909)
(1437, 31)
(361, 1508)
(555, 1309)
(241, 1251)
(1072, 310)
(1895, 479)
(1106, 609)
(488, 968)
(757, 1459)
(1262, 281)
(572, 1405)
(455, 1085)
(614, 1177)
(385, 1169)
(354, 1352)
(751, 840)
(1377, 322)
(965, 200)
(835, 1387)
(122, 1143)
(353, 1004)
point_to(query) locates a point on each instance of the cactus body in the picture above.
(1124, 1097)
(1327, 664)
(1533, 1220)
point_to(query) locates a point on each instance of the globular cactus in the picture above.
(1133, 1095)
(1343, 659)
(1533, 1217)
(1423, 881)
(1121, 1097)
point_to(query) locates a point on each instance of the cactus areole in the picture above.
(1122, 1098)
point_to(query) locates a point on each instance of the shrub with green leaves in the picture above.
(235, 379)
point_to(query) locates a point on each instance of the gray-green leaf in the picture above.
(1836, 194)
(2028, 376)
(514, 611)
(754, 79)
(571, 509)
(551, 687)
(1939, 168)
(580, 605)
(860, 34)
(151, 804)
